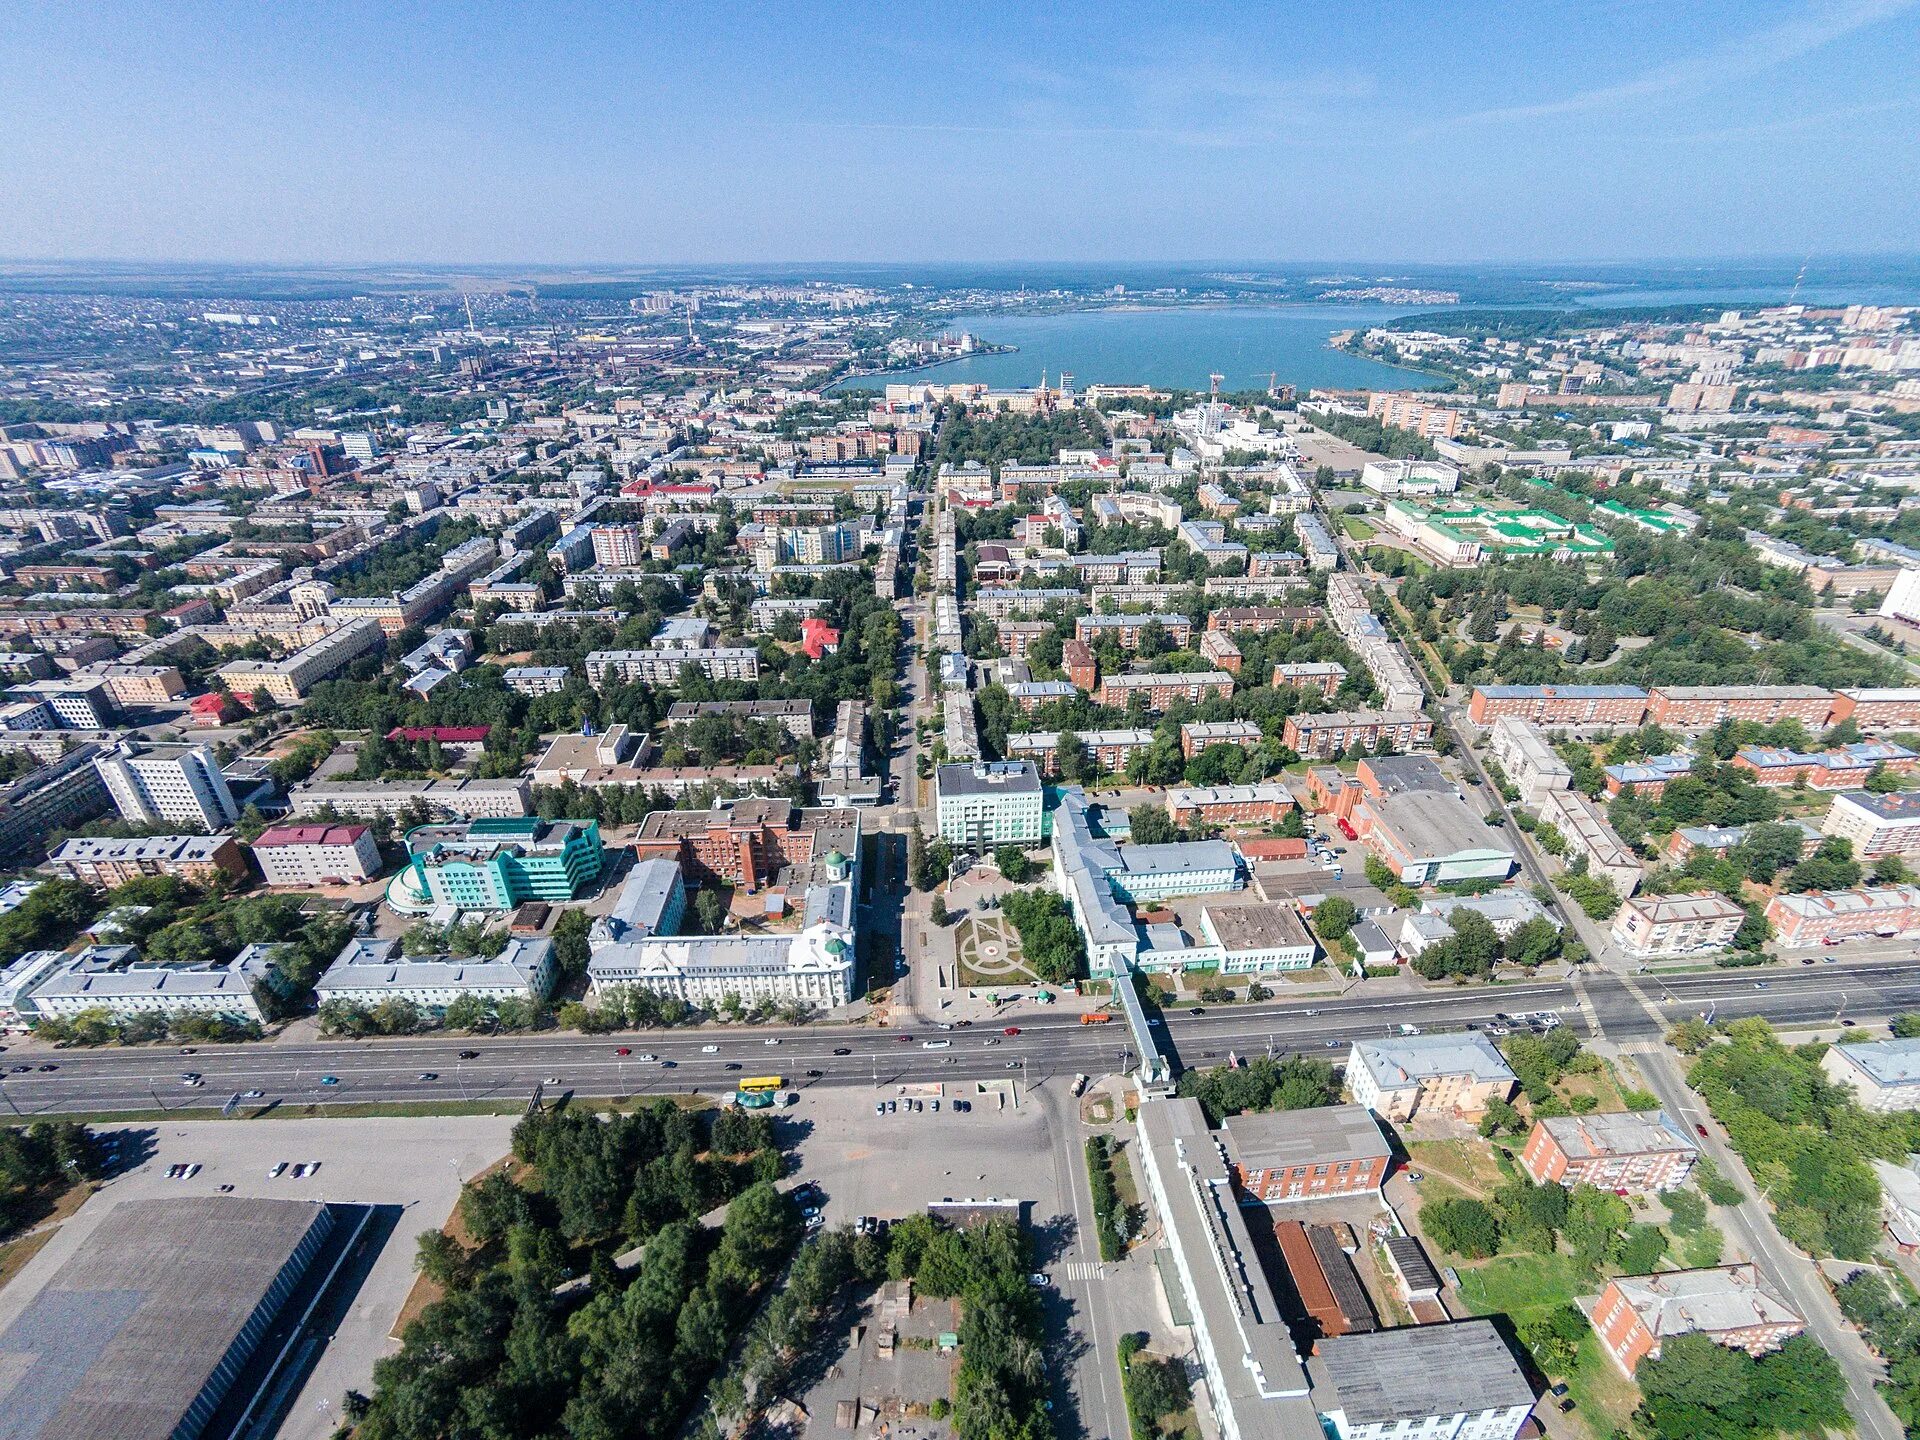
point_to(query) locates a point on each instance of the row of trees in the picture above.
(1892, 1327)
(1807, 1141)
(1475, 947)
(1289, 1082)
(1109, 1216)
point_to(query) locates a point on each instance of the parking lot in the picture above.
(416, 1165)
(894, 1164)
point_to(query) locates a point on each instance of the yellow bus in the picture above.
(759, 1082)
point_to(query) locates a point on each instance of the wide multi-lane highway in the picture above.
(507, 1068)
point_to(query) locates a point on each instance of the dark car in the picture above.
(1198, 1010)
(733, 1065)
(469, 1054)
(815, 1074)
(49, 1067)
(21, 1069)
(841, 1050)
(903, 1039)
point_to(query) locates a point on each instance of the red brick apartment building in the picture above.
(1322, 677)
(1127, 629)
(1844, 768)
(1162, 690)
(1700, 707)
(1259, 619)
(1877, 709)
(1307, 1154)
(748, 844)
(1231, 805)
(1198, 735)
(1326, 736)
(1551, 705)
(1730, 1304)
(1634, 1152)
(1217, 648)
(1076, 658)
(1817, 916)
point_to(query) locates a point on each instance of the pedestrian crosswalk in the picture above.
(1084, 1270)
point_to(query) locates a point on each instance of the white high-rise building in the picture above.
(178, 784)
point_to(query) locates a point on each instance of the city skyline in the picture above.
(596, 136)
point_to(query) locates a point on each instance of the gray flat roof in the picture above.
(127, 1333)
(1631, 1133)
(1461, 1368)
(1257, 927)
(1885, 1062)
(1405, 1059)
(989, 777)
(1281, 1138)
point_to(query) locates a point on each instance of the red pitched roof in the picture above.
(309, 835)
(445, 734)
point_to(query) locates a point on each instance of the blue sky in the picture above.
(608, 132)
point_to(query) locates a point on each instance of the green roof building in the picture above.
(497, 864)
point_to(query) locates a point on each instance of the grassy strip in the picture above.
(1109, 1220)
(1156, 1389)
(376, 1110)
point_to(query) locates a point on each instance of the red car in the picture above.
(1701, 1131)
(1347, 829)
(1011, 1030)
(902, 1039)
(624, 1050)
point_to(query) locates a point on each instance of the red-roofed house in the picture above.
(317, 854)
(818, 638)
(214, 708)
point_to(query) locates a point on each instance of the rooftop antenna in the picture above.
(467, 300)
(1213, 382)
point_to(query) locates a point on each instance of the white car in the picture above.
(646, 1059)
(277, 1171)
(770, 1040)
(709, 1049)
(936, 1044)
(191, 1171)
